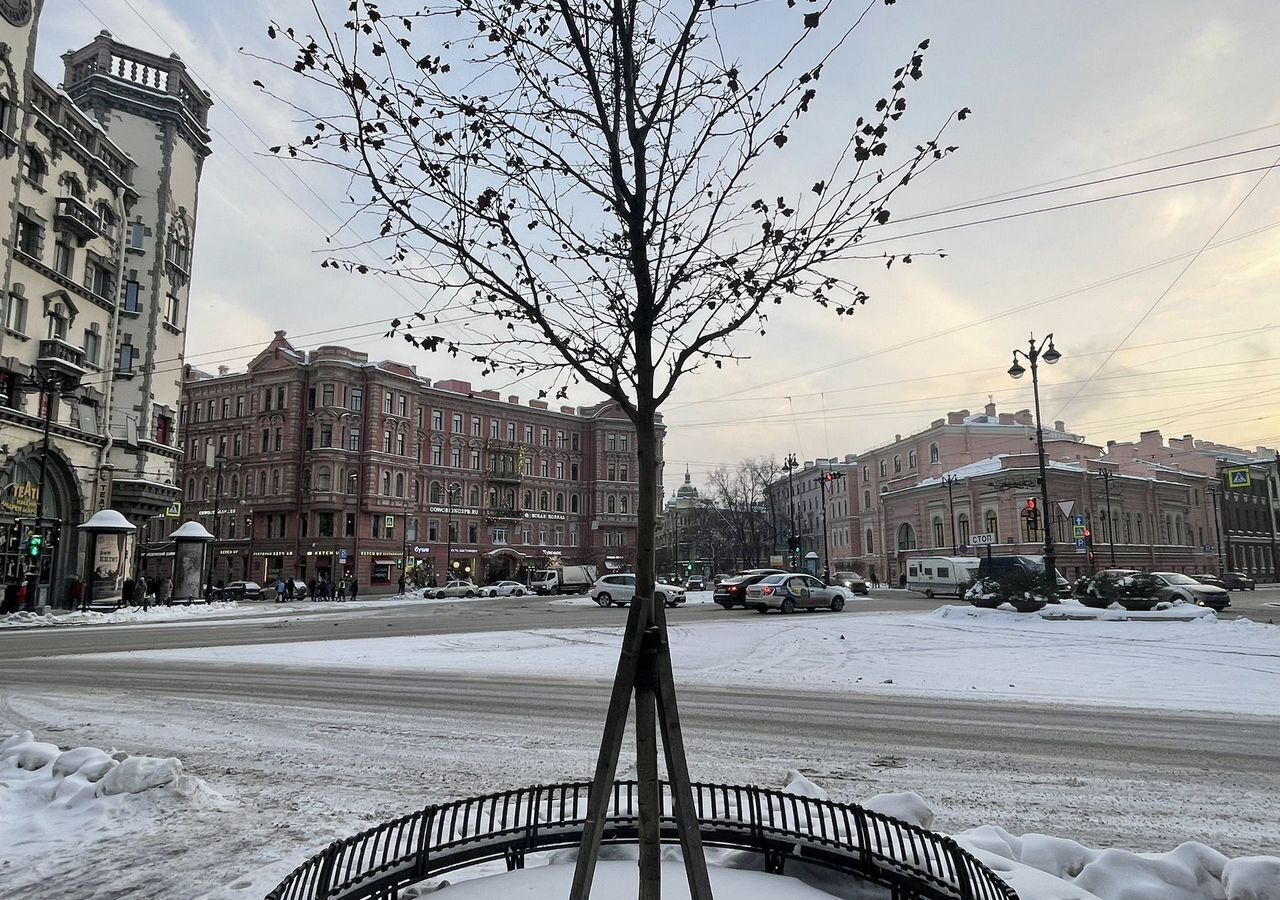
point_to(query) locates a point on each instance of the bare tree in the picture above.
(584, 180)
(741, 495)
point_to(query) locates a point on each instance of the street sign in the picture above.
(389, 522)
(981, 540)
(1077, 532)
(174, 510)
(1077, 520)
(342, 556)
(1065, 507)
(1080, 545)
(1239, 478)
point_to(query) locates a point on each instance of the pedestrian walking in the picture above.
(280, 590)
(355, 588)
(76, 594)
(342, 589)
(400, 583)
(288, 588)
(127, 593)
(24, 590)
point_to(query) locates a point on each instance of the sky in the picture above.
(1162, 303)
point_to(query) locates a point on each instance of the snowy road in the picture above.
(309, 752)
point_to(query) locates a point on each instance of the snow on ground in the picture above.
(86, 822)
(128, 615)
(57, 804)
(691, 598)
(956, 651)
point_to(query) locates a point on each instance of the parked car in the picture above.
(454, 587)
(240, 590)
(1238, 581)
(620, 590)
(853, 581)
(564, 580)
(791, 591)
(733, 591)
(996, 566)
(696, 583)
(504, 589)
(1176, 586)
(1206, 578)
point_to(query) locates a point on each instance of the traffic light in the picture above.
(1088, 537)
(34, 545)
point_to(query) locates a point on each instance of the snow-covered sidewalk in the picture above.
(68, 818)
(957, 651)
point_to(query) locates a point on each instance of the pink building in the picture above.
(1148, 505)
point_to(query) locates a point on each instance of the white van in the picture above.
(564, 580)
(941, 575)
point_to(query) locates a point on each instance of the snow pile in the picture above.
(117, 617)
(1190, 871)
(47, 793)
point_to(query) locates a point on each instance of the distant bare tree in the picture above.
(741, 494)
(582, 179)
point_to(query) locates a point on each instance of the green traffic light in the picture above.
(36, 541)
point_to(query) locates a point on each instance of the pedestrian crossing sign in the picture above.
(174, 511)
(1239, 478)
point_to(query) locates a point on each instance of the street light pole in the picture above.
(951, 513)
(828, 477)
(450, 492)
(1107, 475)
(793, 544)
(1033, 354)
(1217, 530)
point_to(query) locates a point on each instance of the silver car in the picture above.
(1176, 586)
(454, 588)
(504, 589)
(789, 592)
(620, 590)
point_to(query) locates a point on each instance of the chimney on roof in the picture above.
(280, 335)
(1060, 426)
(990, 409)
(222, 371)
(955, 418)
(1005, 418)
(1024, 417)
(512, 398)
(897, 437)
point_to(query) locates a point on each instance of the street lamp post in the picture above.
(219, 462)
(1033, 354)
(451, 491)
(1107, 475)
(828, 477)
(950, 481)
(1217, 529)
(793, 544)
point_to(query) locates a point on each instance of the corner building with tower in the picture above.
(98, 186)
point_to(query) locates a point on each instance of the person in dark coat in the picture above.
(400, 583)
(76, 594)
(10, 598)
(355, 588)
(128, 591)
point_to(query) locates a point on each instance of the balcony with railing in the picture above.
(503, 514)
(77, 217)
(60, 359)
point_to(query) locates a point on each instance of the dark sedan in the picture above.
(1238, 581)
(733, 591)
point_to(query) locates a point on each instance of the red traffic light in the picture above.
(1031, 503)
(1088, 533)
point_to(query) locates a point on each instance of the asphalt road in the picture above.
(1147, 778)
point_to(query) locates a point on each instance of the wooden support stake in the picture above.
(695, 859)
(615, 727)
(647, 771)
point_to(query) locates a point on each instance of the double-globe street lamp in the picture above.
(830, 477)
(793, 542)
(1033, 354)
